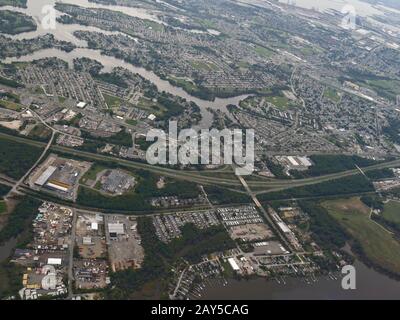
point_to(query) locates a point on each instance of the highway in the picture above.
(260, 185)
(19, 182)
(270, 221)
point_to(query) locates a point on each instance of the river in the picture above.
(369, 285)
(362, 8)
(65, 32)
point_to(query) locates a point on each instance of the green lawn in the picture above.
(185, 84)
(150, 106)
(153, 25)
(202, 65)
(91, 174)
(386, 88)
(391, 212)
(379, 246)
(263, 52)
(131, 122)
(332, 94)
(112, 101)
(208, 24)
(244, 64)
(280, 102)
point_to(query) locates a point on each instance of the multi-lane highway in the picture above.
(219, 178)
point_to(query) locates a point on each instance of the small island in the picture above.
(15, 22)
(14, 3)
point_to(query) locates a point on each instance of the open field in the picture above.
(112, 101)
(378, 245)
(263, 52)
(332, 94)
(202, 65)
(387, 88)
(150, 106)
(92, 173)
(391, 212)
(280, 102)
(11, 105)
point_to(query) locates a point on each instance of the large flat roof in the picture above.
(233, 264)
(45, 175)
(117, 228)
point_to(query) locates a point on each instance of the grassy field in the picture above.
(332, 94)
(11, 105)
(391, 212)
(263, 52)
(386, 88)
(154, 25)
(92, 173)
(151, 106)
(208, 24)
(40, 132)
(244, 64)
(131, 122)
(280, 102)
(185, 84)
(202, 65)
(112, 101)
(378, 245)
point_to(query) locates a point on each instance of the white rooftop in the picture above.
(54, 261)
(117, 228)
(81, 105)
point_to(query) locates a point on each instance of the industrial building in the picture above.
(115, 229)
(59, 175)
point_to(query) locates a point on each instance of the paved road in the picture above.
(261, 185)
(173, 296)
(271, 222)
(15, 187)
(71, 255)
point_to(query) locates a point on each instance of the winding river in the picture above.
(371, 285)
(65, 32)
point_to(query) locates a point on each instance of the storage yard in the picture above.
(124, 243)
(59, 176)
(45, 258)
(90, 236)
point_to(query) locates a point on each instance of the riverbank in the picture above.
(369, 285)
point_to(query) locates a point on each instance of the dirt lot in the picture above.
(250, 232)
